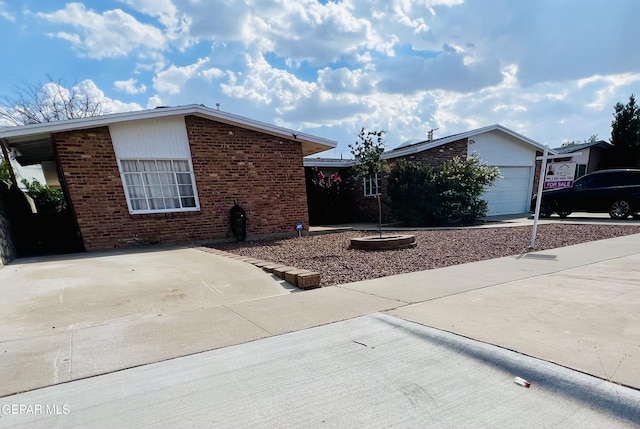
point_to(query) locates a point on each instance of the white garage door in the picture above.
(510, 195)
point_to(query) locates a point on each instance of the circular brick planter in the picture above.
(386, 242)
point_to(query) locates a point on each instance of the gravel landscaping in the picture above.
(330, 255)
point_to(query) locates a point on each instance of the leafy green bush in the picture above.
(411, 188)
(4, 170)
(450, 193)
(45, 198)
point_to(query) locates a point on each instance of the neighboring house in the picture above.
(591, 156)
(513, 153)
(170, 174)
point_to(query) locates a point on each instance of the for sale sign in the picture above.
(559, 175)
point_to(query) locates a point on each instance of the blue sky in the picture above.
(549, 69)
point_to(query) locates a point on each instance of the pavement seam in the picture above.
(70, 353)
(402, 302)
(250, 321)
(146, 317)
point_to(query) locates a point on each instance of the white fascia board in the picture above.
(73, 124)
(192, 109)
(319, 162)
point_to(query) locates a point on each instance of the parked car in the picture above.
(616, 192)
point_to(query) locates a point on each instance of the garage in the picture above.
(510, 193)
(513, 153)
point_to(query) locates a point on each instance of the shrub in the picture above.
(411, 188)
(46, 199)
(435, 196)
(323, 183)
(4, 170)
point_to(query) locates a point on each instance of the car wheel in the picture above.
(619, 210)
(564, 214)
(545, 209)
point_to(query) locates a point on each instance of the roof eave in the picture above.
(311, 144)
(419, 147)
(319, 162)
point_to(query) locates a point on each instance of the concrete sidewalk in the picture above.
(576, 306)
(375, 371)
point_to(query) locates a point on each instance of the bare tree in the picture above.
(38, 103)
(33, 104)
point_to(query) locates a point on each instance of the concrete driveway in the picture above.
(72, 316)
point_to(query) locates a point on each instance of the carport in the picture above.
(44, 231)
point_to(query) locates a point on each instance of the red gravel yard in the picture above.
(330, 255)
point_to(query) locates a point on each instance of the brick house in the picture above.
(170, 175)
(496, 145)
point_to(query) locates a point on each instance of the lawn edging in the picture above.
(300, 278)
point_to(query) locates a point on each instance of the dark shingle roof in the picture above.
(575, 148)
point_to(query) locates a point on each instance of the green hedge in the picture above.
(451, 193)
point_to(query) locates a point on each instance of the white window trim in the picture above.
(368, 185)
(153, 211)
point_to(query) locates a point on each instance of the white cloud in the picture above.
(221, 19)
(173, 78)
(213, 73)
(108, 35)
(317, 33)
(266, 85)
(129, 86)
(343, 80)
(175, 24)
(548, 40)
(90, 90)
(549, 112)
(546, 69)
(5, 14)
(154, 102)
(446, 71)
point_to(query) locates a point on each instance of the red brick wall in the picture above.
(435, 156)
(536, 173)
(365, 209)
(262, 173)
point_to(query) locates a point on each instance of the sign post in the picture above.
(536, 215)
(543, 170)
(299, 228)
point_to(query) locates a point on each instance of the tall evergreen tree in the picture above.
(625, 135)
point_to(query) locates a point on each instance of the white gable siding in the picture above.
(159, 138)
(512, 192)
(497, 148)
